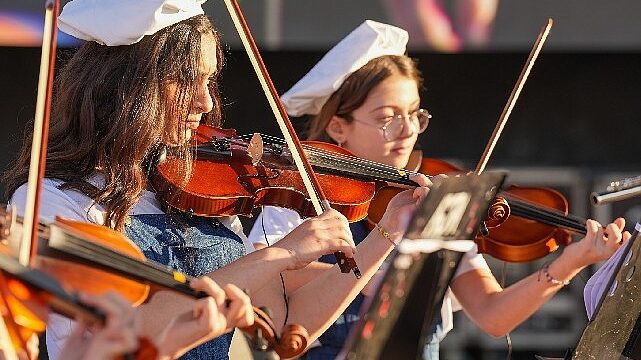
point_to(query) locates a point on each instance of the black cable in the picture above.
(282, 280)
(508, 339)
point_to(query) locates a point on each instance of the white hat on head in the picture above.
(368, 41)
(123, 22)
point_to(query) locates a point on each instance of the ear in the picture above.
(337, 128)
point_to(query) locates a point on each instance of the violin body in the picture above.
(227, 180)
(510, 237)
(517, 239)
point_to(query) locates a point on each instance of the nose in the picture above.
(203, 103)
(408, 126)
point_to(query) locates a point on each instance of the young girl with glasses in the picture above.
(364, 95)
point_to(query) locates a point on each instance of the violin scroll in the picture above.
(263, 336)
(498, 212)
(293, 341)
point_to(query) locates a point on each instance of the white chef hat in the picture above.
(368, 41)
(123, 22)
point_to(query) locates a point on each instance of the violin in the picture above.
(72, 251)
(523, 223)
(28, 295)
(264, 174)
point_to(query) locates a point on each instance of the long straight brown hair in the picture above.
(355, 89)
(110, 111)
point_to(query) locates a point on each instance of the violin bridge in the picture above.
(255, 148)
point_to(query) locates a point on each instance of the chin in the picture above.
(397, 162)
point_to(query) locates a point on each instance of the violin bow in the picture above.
(516, 91)
(40, 133)
(312, 185)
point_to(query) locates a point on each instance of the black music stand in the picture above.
(615, 329)
(397, 319)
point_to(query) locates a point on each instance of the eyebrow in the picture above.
(417, 103)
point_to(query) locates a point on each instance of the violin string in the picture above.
(574, 222)
(353, 163)
(525, 210)
(343, 158)
(550, 217)
(331, 159)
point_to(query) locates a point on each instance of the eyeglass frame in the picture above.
(400, 117)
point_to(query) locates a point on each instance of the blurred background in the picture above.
(573, 128)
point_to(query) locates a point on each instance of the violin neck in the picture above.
(60, 301)
(527, 210)
(93, 254)
(359, 169)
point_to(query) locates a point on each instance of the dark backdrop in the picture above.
(580, 110)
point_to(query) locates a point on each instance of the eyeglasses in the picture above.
(394, 125)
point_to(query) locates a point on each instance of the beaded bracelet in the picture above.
(550, 278)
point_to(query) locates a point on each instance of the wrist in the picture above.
(564, 268)
(382, 231)
(389, 231)
(285, 257)
(571, 261)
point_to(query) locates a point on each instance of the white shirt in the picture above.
(278, 222)
(76, 206)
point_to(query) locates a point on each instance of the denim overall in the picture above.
(430, 351)
(192, 245)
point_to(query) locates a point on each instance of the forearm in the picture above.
(295, 279)
(255, 270)
(499, 311)
(330, 293)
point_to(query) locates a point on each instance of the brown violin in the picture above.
(233, 175)
(523, 223)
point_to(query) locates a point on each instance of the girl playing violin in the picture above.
(364, 96)
(144, 80)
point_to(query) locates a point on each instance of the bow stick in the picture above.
(314, 190)
(507, 110)
(40, 133)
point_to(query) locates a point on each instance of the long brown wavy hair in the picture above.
(110, 111)
(354, 90)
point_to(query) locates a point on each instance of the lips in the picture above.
(401, 149)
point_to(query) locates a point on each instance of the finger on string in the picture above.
(620, 222)
(246, 314)
(421, 180)
(591, 227)
(209, 286)
(613, 233)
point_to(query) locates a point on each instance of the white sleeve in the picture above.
(277, 223)
(471, 260)
(54, 202)
(58, 330)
